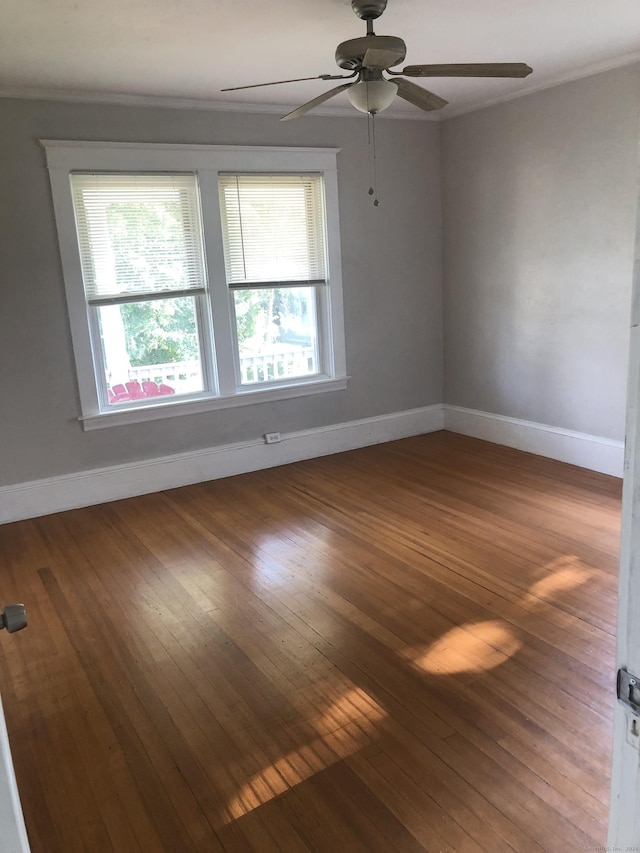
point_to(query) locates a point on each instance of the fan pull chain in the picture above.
(373, 166)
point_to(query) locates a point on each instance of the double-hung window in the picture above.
(140, 243)
(273, 232)
(198, 277)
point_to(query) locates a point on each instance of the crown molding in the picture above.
(567, 77)
(159, 101)
(121, 99)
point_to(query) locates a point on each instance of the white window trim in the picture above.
(64, 156)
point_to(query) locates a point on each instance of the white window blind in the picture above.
(139, 235)
(273, 229)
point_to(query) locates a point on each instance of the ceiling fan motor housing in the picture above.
(368, 10)
(390, 50)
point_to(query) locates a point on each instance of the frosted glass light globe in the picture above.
(372, 96)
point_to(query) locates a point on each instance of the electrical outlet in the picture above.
(633, 732)
(272, 437)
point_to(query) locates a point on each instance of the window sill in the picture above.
(142, 414)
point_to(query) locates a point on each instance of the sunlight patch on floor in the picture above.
(561, 575)
(356, 713)
(474, 647)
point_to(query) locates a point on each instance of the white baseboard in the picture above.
(85, 488)
(588, 451)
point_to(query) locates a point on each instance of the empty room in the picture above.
(318, 492)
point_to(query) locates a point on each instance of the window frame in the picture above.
(319, 284)
(219, 360)
(200, 299)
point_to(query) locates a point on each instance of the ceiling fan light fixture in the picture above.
(372, 96)
(367, 57)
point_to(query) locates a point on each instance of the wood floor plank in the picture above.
(405, 647)
(437, 819)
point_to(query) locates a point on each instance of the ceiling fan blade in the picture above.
(375, 58)
(419, 97)
(316, 101)
(469, 69)
(294, 80)
(384, 51)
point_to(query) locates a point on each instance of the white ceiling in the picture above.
(190, 49)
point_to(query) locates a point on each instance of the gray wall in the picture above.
(391, 273)
(539, 206)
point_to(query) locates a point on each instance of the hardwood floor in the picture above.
(407, 647)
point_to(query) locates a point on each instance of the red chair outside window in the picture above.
(135, 389)
(118, 394)
(150, 388)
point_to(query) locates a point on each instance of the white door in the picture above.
(13, 835)
(624, 820)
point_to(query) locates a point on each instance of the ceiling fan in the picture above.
(369, 56)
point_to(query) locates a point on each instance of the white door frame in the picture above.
(624, 814)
